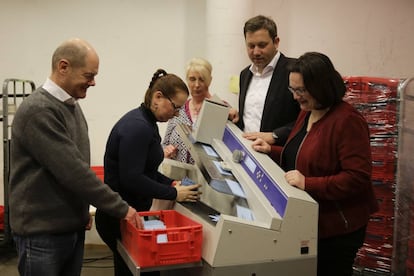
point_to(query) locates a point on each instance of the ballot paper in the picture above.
(235, 188)
(155, 224)
(186, 181)
(210, 151)
(224, 172)
(244, 213)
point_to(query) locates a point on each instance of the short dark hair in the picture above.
(320, 78)
(260, 22)
(168, 84)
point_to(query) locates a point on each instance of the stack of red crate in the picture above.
(376, 99)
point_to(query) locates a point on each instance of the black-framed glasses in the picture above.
(300, 90)
(176, 108)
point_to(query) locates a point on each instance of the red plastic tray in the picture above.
(184, 243)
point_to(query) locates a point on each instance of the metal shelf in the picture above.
(14, 92)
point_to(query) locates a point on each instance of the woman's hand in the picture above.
(188, 193)
(170, 151)
(261, 145)
(295, 178)
(233, 115)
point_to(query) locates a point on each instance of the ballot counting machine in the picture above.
(254, 222)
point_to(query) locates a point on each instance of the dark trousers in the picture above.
(52, 255)
(109, 230)
(336, 255)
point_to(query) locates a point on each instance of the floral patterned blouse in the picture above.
(173, 138)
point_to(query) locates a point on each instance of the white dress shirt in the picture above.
(256, 95)
(57, 92)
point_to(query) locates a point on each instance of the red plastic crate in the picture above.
(382, 129)
(382, 225)
(411, 250)
(185, 238)
(409, 265)
(386, 210)
(369, 258)
(378, 113)
(99, 170)
(384, 148)
(384, 189)
(383, 171)
(370, 89)
(378, 244)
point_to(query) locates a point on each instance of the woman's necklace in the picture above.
(195, 108)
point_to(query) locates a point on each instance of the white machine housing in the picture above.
(281, 234)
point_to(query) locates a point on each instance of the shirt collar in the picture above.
(149, 114)
(57, 92)
(269, 67)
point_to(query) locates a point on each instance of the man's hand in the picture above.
(133, 218)
(233, 115)
(266, 136)
(90, 223)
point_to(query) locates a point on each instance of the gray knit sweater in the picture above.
(51, 184)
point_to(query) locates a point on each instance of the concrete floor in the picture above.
(97, 261)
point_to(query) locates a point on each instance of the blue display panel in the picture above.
(266, 184)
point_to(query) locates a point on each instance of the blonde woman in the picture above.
(198, 76)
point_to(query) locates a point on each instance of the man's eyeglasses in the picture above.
(176, 108)
(300, 90)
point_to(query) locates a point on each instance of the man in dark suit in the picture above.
(266, 106)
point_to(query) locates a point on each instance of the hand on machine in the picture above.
(187, 190)
(170, 151)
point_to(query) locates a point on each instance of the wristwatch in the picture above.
(274, 135)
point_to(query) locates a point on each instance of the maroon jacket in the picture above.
(335, 158)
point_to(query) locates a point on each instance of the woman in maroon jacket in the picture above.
(328, 155)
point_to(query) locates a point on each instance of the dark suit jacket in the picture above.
(280, 109)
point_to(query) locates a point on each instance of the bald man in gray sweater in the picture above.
(51, 183)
